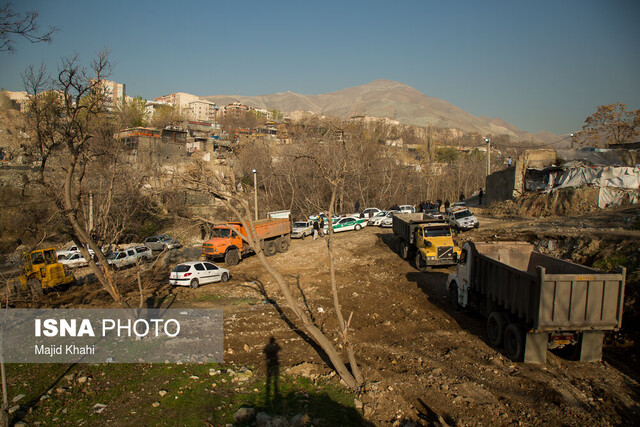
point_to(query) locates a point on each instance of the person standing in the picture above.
(357, 206)
(316, 229)
(480, 194)
(321, 227)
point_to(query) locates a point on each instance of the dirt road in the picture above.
(422, 361)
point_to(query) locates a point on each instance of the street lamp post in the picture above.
(255, 192)
(488, 141)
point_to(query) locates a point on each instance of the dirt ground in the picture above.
(423, 362)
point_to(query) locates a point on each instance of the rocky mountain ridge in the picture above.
(386, 98)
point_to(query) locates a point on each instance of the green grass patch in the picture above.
(193, 396)
(210, 297)
(612, 262)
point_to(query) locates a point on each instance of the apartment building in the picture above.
(115, 93)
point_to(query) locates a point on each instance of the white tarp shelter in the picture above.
(616, 183)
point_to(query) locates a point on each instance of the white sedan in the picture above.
(196, 273)
(387, 221)
(377, 218)
(74, 259)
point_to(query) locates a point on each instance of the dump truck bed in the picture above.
(549, 294)
(267, 228)
(404, 224)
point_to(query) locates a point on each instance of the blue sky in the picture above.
(540, 65)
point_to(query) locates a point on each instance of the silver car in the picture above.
(162, 242)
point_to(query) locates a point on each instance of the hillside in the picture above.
(382, 98)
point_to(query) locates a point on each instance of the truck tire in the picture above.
(404, 250)
(194, 283)
(232, 257)
(453, 296)
(421, 263)
(496, 325)
(514, 342)
(270, 248)
(282, 244)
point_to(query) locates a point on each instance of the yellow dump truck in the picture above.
(426, 237)
(41, 270)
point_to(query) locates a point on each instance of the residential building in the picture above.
(115, 93)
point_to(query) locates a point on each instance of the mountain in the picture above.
(382, 98)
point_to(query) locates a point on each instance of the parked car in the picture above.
(162, 242)
(71, 250)
(407, 209)
(368, 213)
(435, 213)
(346, 224)
(143, 253)
(377, 218)
(387, 221)
(128, 257)
(323, 216)
(73, 260)
(301, 229)
(196, 273)
(461, 218)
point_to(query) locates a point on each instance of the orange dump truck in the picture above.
(274, 234)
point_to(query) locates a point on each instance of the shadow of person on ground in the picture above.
(271, 393)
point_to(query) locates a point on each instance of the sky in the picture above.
(540, 65)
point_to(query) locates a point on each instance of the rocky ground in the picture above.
(423, 362)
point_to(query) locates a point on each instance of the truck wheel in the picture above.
(232, 257)
(496, 324)
(282, 245)
(514, 342)
(453, 296)
(404, 250)
(421, 264)
(270, 248)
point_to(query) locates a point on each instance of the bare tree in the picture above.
(202, 178)
(14, 24)
(67, 118)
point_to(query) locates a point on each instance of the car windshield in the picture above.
(439, 231)
(181, 268)
(221, 232)
(299, 224)
(463, 214)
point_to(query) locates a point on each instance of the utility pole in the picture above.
(255, 192)
(488, 141)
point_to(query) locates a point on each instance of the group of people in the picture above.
(429, 205)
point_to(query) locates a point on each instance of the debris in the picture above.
(99, 407)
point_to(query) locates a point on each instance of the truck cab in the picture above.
(222, 241)
(435, 246)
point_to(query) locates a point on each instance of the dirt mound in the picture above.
(565, 201)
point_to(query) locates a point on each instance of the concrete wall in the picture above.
(500, 185)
